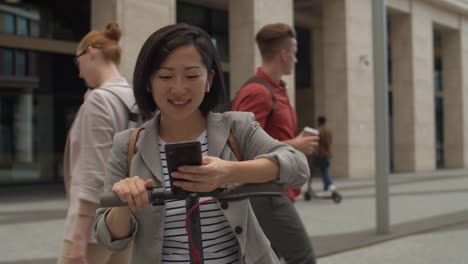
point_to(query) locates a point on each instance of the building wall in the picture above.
(343, 71)
(347, 97)
(348, 85)
(413, 88)
(138, 20)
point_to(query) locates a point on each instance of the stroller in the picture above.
(309, 193)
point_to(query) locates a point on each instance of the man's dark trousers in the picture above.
(283, 227)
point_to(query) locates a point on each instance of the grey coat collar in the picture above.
(117, 81)
(218, 128)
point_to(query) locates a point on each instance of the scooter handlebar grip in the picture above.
(110, 199)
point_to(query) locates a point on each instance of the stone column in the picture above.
(464, 92)
(403, 94)
(138, 20)
(348, 82)
(246, 17)
(422, 58)
(454, 133)
(23, 123)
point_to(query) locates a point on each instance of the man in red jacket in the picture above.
(267, 98)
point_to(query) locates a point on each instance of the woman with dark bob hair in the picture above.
(177, 83)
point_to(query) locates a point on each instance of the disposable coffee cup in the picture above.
(310, 130)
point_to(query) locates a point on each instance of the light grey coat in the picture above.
(88, 146)
(148, 224)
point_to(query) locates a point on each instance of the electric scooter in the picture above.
(333, 194)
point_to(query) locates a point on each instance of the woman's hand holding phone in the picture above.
(205, 178)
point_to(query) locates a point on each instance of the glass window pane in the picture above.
(33, 28)
(22, 28)
(303, 65)
(214, 22)
(439, 129)
(20, 63)
(438, 76)
(191, 14)
(63, 20)
(6, 57)
(7, 23)
(35, 115)
(32, 63)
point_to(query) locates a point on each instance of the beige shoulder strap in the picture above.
(132, 149)
(233, 145)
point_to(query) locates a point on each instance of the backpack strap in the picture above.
(234, 147)
(267, 85)
(132, 148)
(129, 102)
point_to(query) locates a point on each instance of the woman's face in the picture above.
(179, 85)
(84, 61)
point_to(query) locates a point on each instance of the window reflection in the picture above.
(6, 61)
(7, 23)
(215, 22)
(36, 104)
(65, 20)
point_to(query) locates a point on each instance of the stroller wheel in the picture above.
(307, 196)
(336, 197)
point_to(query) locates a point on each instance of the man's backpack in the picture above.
(267, 85)
(126, 96)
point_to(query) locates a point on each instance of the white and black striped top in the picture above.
(219, 242)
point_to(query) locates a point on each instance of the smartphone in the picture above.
(179, 154)
(310, 130)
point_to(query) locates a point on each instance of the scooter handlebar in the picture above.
(110, 199)
(157, 196)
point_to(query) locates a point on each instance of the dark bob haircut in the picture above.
(158, 47)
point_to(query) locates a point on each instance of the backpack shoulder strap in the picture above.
(128, 101)
(132, 148)
(267, 85)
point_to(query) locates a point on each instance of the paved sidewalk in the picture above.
(428, 216)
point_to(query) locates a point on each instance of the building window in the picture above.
(17, 62)
(438, 76)
(62, 20)
(21, 63)
(303, 66)
(22, 27)
(35, 114)
(439, 115)
(215, 22)
(6, 61)
(7, 23)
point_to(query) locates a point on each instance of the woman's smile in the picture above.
(179, 103)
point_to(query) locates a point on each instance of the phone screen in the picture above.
(179, 154)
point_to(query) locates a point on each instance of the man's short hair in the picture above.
(271, 37)
(322, 120)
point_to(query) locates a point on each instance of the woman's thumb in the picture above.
(149, 183)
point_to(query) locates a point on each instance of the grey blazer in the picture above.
(148, 224)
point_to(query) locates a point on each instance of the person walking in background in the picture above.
(324, 154)
(265, 95)
(102, 114)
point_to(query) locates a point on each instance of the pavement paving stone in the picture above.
(428, 217)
